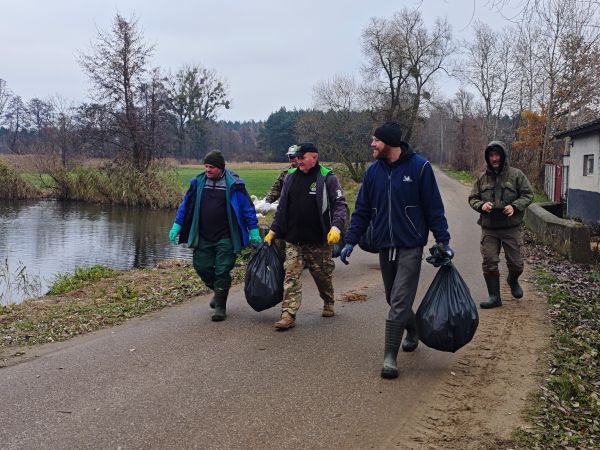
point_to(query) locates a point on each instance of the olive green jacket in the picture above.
(508, 187)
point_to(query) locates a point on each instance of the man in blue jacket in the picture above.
(400, 196)
(217, 219)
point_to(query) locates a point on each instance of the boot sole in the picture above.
(389, 374)
(284, 327)
(497, 305)
(409, 348)
(218, 318)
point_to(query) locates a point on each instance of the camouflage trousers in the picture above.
(511, 240)
(320, 265)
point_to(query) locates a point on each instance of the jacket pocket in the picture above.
(509, 193)
(487, 193)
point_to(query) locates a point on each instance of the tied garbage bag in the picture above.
(263, 285)
(447, 317)
(366, 241)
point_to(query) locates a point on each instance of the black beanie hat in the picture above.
(389, 133)
(215, 158)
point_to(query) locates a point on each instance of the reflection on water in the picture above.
(50, 237)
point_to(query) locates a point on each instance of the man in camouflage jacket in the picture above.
(275, 191)
(500, 195)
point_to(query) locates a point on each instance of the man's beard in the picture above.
(383, 153)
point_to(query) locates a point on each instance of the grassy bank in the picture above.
(13, 186)
(566, 410)
(96, 298)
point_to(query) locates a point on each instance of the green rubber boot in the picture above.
(513, 281)
(219, 313)
(411, 341)
(393, 335)
(493, 287)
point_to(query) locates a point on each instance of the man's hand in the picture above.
(441, 254)
(334, 235)
(508, 210)
(449, 252)
(255, 238)
(269, 237)
(174, 233)
(487, 207)
(345, 253)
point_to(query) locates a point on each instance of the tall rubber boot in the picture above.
(515, 287)
(393, 335)
(493, 287)
(219, 313)
(411, 341)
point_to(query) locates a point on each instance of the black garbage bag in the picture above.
(263, 285)
(447, 317)
(366, 241)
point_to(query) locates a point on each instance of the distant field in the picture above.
(258, 177)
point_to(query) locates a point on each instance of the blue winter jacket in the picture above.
(403, 202)
(236, 196)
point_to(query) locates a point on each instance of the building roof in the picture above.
(586, 128)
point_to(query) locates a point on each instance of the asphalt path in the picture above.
(175, 379)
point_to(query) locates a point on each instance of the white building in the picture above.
(583, 193)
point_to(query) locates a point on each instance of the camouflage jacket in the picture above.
(275, 191)
(510, 186)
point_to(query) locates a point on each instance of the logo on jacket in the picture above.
(313, 188)
(407, 178)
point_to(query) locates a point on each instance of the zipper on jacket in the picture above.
(390, 207)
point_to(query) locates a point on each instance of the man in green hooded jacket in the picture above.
(500, 195)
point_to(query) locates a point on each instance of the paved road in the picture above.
(174, 379)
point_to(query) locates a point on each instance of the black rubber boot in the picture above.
(212, 302)
(393, 335)
(219, 313)
(411, 341)
(515, 287)
(493, 287)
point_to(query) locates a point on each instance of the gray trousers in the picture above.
(400, 269)
(511, 239)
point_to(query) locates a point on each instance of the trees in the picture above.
(116, 65)
(340, 125)
(195, 94)
(402, 59)
(489, 68)
(278, 133)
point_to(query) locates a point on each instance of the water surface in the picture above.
(50, 237)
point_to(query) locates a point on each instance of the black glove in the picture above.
(441, 254)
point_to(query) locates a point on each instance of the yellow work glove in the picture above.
(334, 236)
(269, 237)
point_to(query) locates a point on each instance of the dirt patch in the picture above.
(353, 296)
(481, 402)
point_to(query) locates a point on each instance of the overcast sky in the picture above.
(271, 52)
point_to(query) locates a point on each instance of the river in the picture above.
(47, 237)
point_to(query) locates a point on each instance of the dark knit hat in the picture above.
(389, 133)
(215, 158)
(307, 147)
